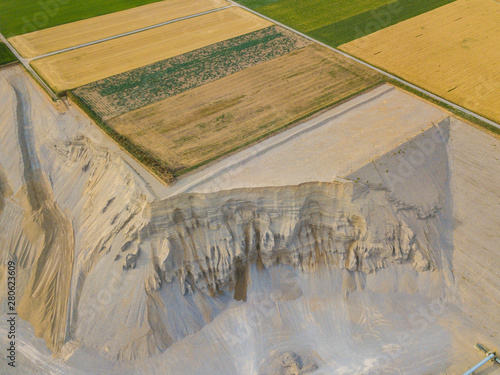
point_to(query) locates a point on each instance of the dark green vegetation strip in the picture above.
(160, 168)
(140, 87)
(23, 16)
(257, 3)
(376, 19)
(5, 55)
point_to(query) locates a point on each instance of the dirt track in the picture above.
(44, 303)
(451, 51)
(385, 73)
(205, 122)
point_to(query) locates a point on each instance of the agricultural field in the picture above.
(21, 17)
(88, 64)
(337, 22)
(6, 56)
(307, 15)
(131, 90)
(68, 35)
(462, 38)
(201, 124)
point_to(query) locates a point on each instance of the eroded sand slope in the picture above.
(361, 274)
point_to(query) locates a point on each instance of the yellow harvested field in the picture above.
(88, 64)
(452, 51)
(72, 34)
(206, 122)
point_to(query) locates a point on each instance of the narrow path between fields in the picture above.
(126, 34)
(419, 89)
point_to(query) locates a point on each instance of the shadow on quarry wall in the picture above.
(393, 210)
(396, 210)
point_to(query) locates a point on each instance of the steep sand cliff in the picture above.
(367, 273)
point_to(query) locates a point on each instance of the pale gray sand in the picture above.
(379, 275)
(476, 197)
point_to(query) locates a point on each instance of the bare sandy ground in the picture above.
(381, 271)
(201, 124)
(476, 198)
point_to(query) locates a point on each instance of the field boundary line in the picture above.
(8, 64)
(126, 33)
(28, 67)
(373, 67)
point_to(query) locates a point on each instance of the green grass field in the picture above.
(5, 55)
(336, 22)
(20, 17)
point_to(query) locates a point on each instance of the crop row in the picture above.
(368, 22)
(157, 166)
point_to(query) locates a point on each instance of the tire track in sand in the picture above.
(45, 301)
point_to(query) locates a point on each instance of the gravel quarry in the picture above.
(376, 253)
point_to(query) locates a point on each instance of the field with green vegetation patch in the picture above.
(128, 91)
(21, 17)
(5, 55)
(336, 22)
(195, 127)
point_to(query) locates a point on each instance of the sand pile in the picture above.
(354, 275)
